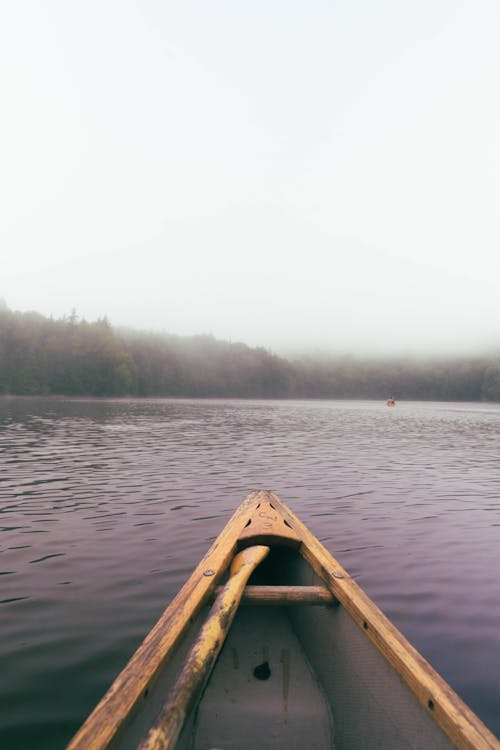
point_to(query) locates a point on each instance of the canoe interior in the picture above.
(371, 706)
(320, 683)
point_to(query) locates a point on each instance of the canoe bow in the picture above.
(263, 519)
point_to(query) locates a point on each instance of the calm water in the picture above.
(106, 506)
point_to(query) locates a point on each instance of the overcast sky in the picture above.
(291, 174)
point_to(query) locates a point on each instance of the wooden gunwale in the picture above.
(200, 662)
(108, 717)
(456, 719)
(451, 714)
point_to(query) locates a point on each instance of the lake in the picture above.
(107, 505)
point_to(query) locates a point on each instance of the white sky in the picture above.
(291, 174)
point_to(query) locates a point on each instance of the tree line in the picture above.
(70, 356)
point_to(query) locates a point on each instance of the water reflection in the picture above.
(105, 507)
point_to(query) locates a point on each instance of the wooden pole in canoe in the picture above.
(108, 718)
(164, 733)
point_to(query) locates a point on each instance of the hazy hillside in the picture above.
(40, 355)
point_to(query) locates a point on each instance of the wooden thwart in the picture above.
(286, 595)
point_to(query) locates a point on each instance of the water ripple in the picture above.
(107, 505)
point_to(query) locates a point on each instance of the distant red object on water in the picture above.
(390, 402)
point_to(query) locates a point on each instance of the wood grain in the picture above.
(456, 719)
(267, 526)
(109, 715)
(462, 726)
(164, 733)
(286, 595)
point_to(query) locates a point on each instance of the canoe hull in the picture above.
(328, 685)
(290, 676)
(371, 705)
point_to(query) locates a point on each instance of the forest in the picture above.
(73, 357)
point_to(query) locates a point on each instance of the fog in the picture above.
(305, 177)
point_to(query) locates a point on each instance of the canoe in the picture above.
(271, 644)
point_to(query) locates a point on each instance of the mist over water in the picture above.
(107, 505)
(336, 190)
